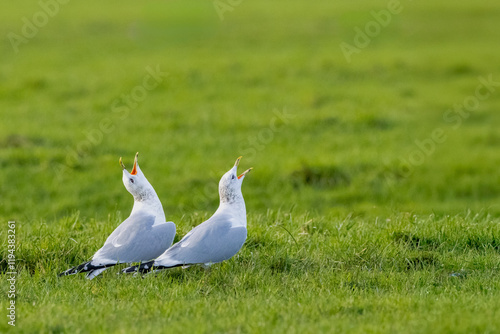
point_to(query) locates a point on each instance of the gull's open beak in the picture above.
(121, 163)
(134, 170)
(237, 161)
(245, 172)
(236, 165)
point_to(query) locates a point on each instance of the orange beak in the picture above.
(134, 170)
(244, 173)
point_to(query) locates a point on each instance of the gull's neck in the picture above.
(148, 201)
(235, 208)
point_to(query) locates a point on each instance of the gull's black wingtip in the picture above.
(83, 268)
(129, 270)
(75, 270)
(143, 268)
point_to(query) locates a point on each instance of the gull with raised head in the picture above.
(143, 236)
(215, 240)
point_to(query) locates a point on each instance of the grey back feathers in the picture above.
(136, 239)
(213, 241)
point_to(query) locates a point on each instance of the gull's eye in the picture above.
(131, 180)
(233, 177)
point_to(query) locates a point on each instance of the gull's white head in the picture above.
(135, 181)
(230, 184)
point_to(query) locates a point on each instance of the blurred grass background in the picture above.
(338, 225)
(341, 152)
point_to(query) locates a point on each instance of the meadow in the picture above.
(373, 206)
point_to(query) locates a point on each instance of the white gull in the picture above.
(143, 236)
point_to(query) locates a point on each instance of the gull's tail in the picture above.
(87, 267)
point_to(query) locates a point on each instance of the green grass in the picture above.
(342, 236)
(406, 273)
